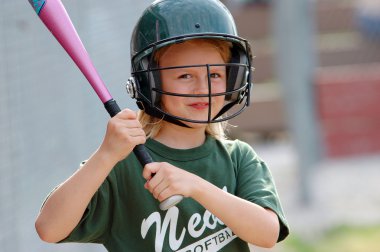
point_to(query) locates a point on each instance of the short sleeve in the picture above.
(256, 184)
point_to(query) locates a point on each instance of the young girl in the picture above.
(189, 68)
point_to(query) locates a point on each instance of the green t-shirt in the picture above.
(124, 216)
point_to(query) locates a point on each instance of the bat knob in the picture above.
(131, 88)
(171, 201)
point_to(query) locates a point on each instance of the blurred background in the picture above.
(315, 114)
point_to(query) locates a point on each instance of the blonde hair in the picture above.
(152, 125)
(222, 46)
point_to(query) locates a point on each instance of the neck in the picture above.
(178, 137)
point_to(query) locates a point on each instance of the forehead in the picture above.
(191, 52)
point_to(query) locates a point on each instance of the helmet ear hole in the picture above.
(153, 78)
(237, 75)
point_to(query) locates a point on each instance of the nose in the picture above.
(202, 85)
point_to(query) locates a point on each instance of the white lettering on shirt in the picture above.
(195, 228)
(211, 243)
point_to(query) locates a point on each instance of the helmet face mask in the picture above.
(147, 73)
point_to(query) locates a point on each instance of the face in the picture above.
(193, 80)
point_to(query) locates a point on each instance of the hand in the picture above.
(165, 180)
(123, 133)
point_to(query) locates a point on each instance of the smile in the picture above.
(199, 105)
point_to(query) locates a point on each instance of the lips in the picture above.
(199, 105)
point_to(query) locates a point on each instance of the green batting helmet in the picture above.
(167, 22)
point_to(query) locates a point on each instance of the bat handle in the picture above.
(112, 107)
(142, 155)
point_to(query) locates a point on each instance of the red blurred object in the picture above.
(348, 100)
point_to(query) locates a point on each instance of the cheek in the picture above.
(171, 102)
(219, 86)
(174, 87)
(220, 100)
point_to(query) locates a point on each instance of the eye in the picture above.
(184, 76)
(215, 75)
(218, 73)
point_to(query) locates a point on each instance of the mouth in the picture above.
(199, 105)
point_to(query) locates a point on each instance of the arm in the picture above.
(249, 221)
(65, 207)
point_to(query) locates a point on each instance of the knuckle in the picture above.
(161, 197)
(136, 123)
(126, 111)
(149, 167)
(130, 113)
(125, 137)
(150, 188)
(142, 140)
(111, 124)
(156, 195)
(173, 185)
(146, 175)
(165, 167)
(170, 178)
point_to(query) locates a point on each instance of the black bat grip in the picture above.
(112, 107)
(142, 155)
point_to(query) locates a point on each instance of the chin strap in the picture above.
(225, 109)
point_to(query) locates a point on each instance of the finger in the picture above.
(149, 169)
(159, 191)
(133, 132)
(160, 185)
(165, 194)
(117, 123)
(126, 114)
(126, 123)
(139, 140)
(157, 183)
(131, 123)
(120, 124)
(132, 138)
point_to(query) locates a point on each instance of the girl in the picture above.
(189, 68)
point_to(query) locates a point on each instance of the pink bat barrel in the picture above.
(54, 16)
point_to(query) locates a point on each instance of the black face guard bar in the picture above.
(243, 91)
(243, 94)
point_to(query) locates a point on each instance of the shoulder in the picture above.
(240, 152)
(238, 147)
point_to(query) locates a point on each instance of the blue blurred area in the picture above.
(368, 18)
(369, 25)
